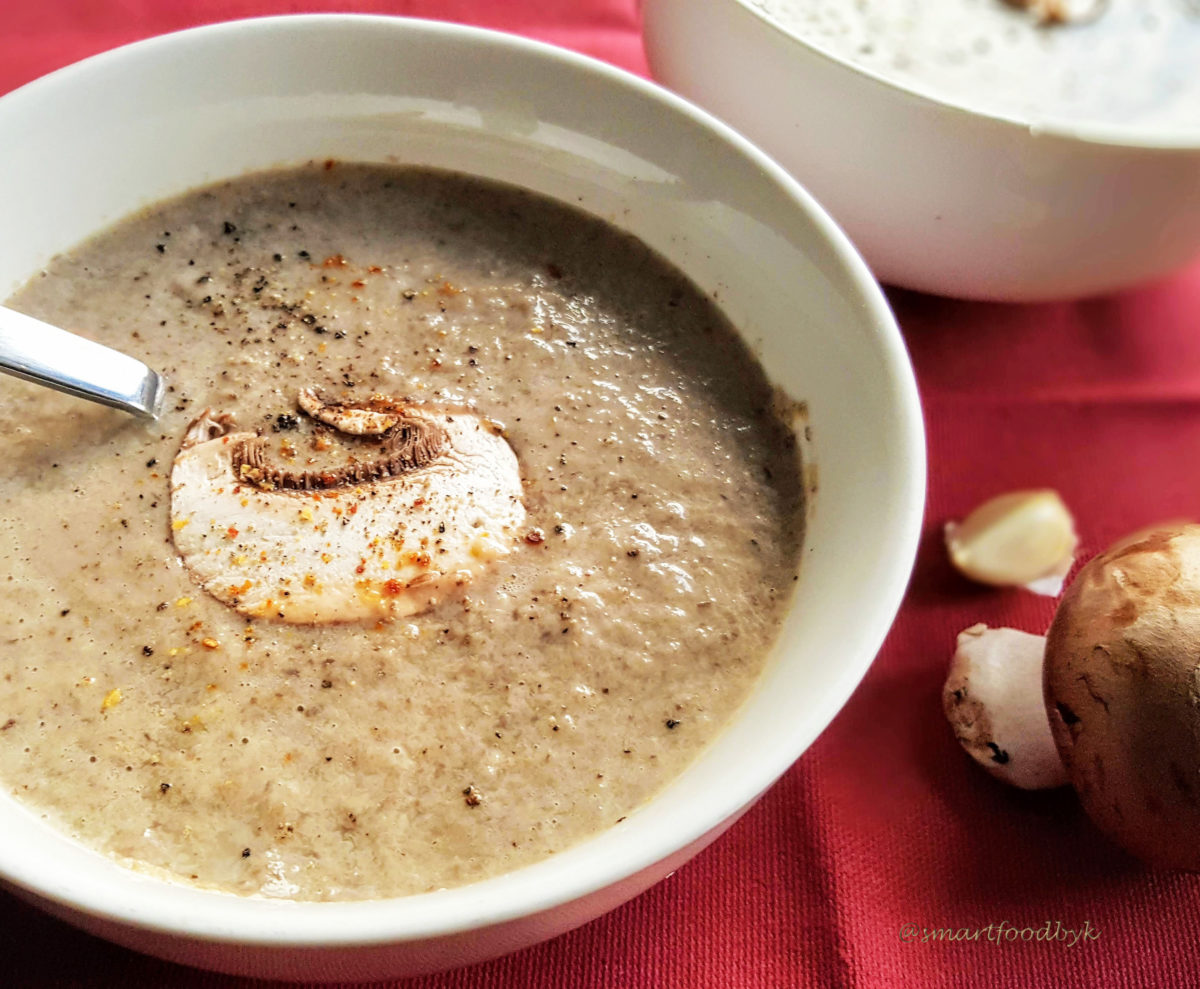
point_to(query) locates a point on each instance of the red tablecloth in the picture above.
(884, 822)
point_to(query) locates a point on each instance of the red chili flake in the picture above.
(374, 269)
(534, 536)
(334, 261)
(231, 533)
(357, 283)
(392, 587)
(329, 163)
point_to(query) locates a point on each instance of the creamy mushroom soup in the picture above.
(595, 472)
(1130, 63)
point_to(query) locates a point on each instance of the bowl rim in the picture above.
(492, 902)
(1090, 132)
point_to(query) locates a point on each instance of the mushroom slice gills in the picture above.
(431, 498)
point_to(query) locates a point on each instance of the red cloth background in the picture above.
(884, 822)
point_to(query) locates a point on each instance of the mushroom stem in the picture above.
(993, 701)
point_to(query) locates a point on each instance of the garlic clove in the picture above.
(1023, 538)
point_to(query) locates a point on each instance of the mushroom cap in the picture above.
(1122, 692)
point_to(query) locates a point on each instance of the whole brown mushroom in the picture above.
(1121, 683)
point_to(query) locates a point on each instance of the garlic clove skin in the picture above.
(993, 701)
(1019, 539)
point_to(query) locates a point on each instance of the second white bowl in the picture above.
(938, 197)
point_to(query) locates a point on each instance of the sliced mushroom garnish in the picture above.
(427, 497)
(1051, 12)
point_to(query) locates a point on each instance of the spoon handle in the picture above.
(47, 355)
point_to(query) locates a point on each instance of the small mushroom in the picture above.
(1122, 692)
(993, 701)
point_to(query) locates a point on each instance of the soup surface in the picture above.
(583, 665)
(1130, 63)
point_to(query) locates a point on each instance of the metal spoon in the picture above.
(47, 355)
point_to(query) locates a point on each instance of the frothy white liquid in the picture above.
(1136, 65)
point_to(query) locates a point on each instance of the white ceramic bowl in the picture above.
(938, 196)
(91, 143)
